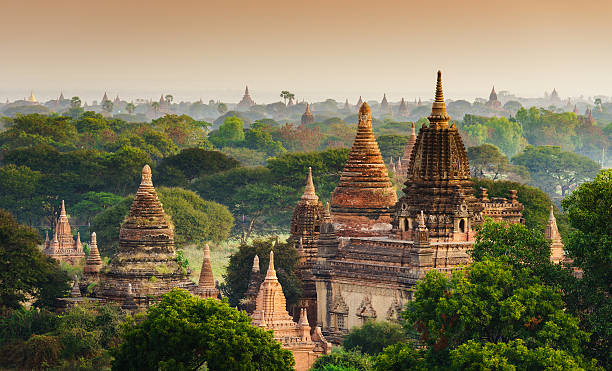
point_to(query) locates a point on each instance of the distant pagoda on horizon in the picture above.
(246, 102)
(63, 247)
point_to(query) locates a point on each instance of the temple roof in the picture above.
(309, 190)
(364, 183)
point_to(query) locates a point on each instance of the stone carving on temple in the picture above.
(63, 247)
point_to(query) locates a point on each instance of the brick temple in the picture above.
(63, 247)
(372, 249)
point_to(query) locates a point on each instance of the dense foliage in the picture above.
(184, 332)
(372, 337)
(25, 272)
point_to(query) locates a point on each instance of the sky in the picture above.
(315, 49)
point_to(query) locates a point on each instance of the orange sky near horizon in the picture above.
(316, 49)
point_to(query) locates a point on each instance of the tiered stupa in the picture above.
(63, 247)
(271, 314)
(403, 109)
(145, 257)
(32, 98)
(305, 229)
(385, 108)
(359, 103)
(307, 117)
(493, 101)
(246, 102)
(439, 181)
(347, 106)
(93, 264)
(363, 200)
(206, 285)
(552, 233)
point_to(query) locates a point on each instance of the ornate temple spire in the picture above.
(255, 264)
(359, 102)
(307, 117)
(206, 274)
(63, 211)
(309, 191)
(94, 262)
(552, 233)
(78, 245)
(439, 118)
(493, 95)
(104, 98)
(271, 273)
(32, 98)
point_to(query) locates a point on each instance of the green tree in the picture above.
(514, 355)
(229, 133)
(107, 106)
(392, 145)
(24, 270)
(168, 98)
(551, 168)
(490, 302)
(400, 356)
(222, 108)
(486, 161)
(373, 336)
(342, 360)
(191, 163)
(589, 244)
(155, 106)
(130, 108)
(92, 203)
(20, 192)
(184, 332)
(285, 94)
(241, 262)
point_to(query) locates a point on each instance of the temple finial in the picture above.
(309, 191)
(271, 273)
(63, 212)
(255, 264)
(146, 176)
(439, 118)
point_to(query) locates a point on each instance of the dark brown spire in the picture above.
(439, 118)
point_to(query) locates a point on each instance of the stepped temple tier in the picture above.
(146, 258)
(373, 249)
(63, 247)
(362, 202)
(271, 314)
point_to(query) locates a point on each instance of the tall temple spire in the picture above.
(309, 191)
(271, 273)
(307, 117)
(255, 264)
(206, 274)
(552, 233)
(63, 212)
(439, 118)
(94, 262)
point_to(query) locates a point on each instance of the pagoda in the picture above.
(145, 257)
(93, 264)
(359, 103)
(493, 101)
(439, 181)
(271, 314)
(255, 280)
(347, 106)
(403, 109)
(63, 247)
(552, 233)
(385, 108)
(104, 99)
(364, 198)
(206, 284)
(305, 229)
(307, 117)
(246, 102)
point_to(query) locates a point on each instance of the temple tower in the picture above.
(63, 247)
(32, 98)
(145, 257)
(552, 233)
(307, 117)
(206, 284)
(359, 103)
(305, 230)
(493, 101)
(385, 108)
(347, 106)
(438, 182)
(94, 262)
(362, 202)
(246, 102)
(255, 280)
(403, 109)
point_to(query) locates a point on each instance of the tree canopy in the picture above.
(184, 332)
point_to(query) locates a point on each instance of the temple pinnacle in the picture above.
(146, 176)
(271, 273)
(309, 191)
(63, 212)
(255, 264)
(439, 118)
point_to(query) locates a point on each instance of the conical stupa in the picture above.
(364, 198)
(145, 257)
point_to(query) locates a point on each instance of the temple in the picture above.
(305, 229)
(146, 258)
(206, 285)
(403, 109)
(307, 117)
(246, 102)
(385, 108)
(403, 163)
(363, 200)
(372, 249)
(493, 101)
(271, 314)
(63, 247)
(359, 103)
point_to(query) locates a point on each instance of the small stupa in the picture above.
(307, 117)
(145, 257)
(93, 264)
(552, 233)
(405, 159)
(206, 284)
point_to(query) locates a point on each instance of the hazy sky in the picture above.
(315, 49)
